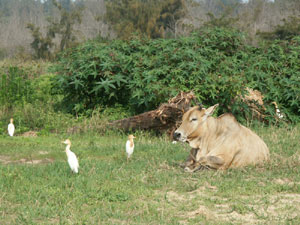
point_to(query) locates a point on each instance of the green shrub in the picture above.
(143, 73)
(15, 87)
(215, 63)
(27, 97)
(275, 71)
(93, 77)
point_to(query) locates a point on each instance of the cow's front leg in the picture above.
(191, 159)
(207, 162)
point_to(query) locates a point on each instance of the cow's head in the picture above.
(192, 120)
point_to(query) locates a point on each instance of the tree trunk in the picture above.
(166, 118)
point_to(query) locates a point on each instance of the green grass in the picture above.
(150, 189)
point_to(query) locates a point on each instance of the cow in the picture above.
(218, 143)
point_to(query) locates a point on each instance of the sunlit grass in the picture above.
(150, 189)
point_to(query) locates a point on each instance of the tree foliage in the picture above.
(157, 18)
(225, 19)
(69, 16)
(41, 45)
(288, 30)
(64, 28)
(148, 17)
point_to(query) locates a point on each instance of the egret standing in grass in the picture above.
(11, 127)
(72, 159)
(129, 146)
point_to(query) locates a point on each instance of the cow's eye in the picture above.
(194, 119)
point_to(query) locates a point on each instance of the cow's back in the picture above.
(237, 145)
(253, 149)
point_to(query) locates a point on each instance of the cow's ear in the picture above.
(210, 110)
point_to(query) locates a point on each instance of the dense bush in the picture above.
(15, 87)
(26, 96)
(275, 71)
(215, 63)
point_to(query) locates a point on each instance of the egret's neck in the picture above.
(131, 142)
(68, 148)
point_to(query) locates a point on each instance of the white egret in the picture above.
(129, 146)
(11, 127)
(72, 159)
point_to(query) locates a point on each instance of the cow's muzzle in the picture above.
(176, 136)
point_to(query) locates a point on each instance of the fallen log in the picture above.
(164, 119)
(254, 100)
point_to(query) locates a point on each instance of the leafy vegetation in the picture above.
(15, 87)
(275, 71)
(215, 63)
(26, 96)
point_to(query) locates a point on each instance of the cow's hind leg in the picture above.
(214, 162)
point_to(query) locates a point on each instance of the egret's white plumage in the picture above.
(129, 146)
(72, 159)
(11, 128)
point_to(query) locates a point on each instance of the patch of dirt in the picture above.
(211, 187)
(206, 186)
(295, 156)
(6, 160)
(202, 210)
(258, 209)
(284, 181)
(118, 221)
(29, 134)
(234, 216)
(164, 166)
(174, 196)
(39, 161)
(43, 152)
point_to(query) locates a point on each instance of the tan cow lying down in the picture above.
(219, 143)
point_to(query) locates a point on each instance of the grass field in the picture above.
(37, 186)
